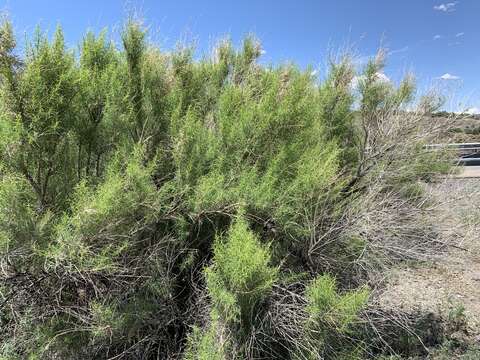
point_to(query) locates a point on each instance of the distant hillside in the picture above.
(460, 127)
(456, 115)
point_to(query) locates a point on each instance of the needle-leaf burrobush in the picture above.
(330, 316)
(241, 276)
(160, 205)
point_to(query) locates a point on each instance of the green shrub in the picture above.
(105, 221)
(124, 170)
(17, 213)
(241, 276)
(330, 317)
(204, 345)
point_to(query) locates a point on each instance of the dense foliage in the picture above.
(157, 206)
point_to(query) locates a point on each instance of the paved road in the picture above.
(470, 172)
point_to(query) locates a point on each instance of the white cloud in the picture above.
(473, 111)
(380, 77)
(314, 72)
(437, 37)
(447, 7)
(448, 76)
(355, 82)
(263, 52)
(460, 34)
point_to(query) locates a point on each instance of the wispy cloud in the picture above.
(397, 51)
(452, 38)
(447, 7)
(448, 76)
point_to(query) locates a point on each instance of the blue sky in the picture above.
(434, 39)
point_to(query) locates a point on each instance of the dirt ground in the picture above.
(453, 279)
(470, 172)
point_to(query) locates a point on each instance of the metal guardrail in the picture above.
(454, 145)
(469, 161)
(469, 153)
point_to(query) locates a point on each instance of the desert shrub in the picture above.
(241, 276)
(105, 222)
(336, 105)
(17, 213)
(204, 345)
(94, 133)
(238, 281)
(445, 353)
(160, 204)
(330, 316)
(38, 105)
(238, 286)
(419, 335)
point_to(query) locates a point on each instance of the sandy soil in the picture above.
(470, 172)
(453, 279)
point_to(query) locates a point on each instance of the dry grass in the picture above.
(453, 278)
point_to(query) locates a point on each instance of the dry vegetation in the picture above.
(154, 206)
